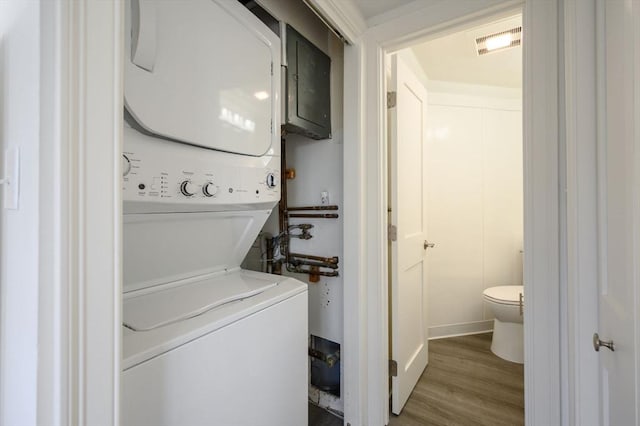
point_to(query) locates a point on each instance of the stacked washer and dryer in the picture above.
(204, 342)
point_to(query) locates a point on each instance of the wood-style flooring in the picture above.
(465, 384)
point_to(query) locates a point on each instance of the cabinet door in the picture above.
(308, 88)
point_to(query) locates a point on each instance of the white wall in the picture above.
(475, 213)
(19, 127)
(319, 168)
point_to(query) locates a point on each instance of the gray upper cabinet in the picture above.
(308, 104)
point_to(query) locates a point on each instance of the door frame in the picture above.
(579, 293)
(365, 173)
(79, 320)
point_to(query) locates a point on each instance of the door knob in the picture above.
(428, 245)
(597, 343)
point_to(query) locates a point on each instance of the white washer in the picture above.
(242, 363)
(204, 342)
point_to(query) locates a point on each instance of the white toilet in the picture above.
(507, 304)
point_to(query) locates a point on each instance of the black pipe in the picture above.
(291, 209)
(317, 216)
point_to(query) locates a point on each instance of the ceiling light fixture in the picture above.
(499, 41)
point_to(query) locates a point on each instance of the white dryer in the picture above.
(204, 342)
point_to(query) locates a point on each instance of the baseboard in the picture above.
(462, 329)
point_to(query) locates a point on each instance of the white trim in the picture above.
(580, 366)
(396, 12)
(52, 306)
(365, 185)
(542, 213)
(91, 127)
(461, 329)
(353, 354)
(375, 255)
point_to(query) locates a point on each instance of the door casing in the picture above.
(366, 299)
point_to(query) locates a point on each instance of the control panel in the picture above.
(160, 175)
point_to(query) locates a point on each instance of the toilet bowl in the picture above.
(506, 303)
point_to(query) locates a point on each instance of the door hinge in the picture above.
(271, 68)
(392, 232)
(393, 368)
(392, 99)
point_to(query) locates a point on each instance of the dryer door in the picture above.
(200, 72)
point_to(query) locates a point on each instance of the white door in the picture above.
(619, 200)
(409, 331)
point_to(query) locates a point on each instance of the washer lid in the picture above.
(138, 347)
(505, 294)
(195, 297)
(201, 72)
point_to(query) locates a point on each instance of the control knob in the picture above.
(271, 181)
(126, 165)
(187, 188)
(209, 189)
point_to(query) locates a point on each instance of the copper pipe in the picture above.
(282, 207)
(318, 216)
(314, 277)
(314, 263)
(300, 270)
(292, 209)
(333, 259)
(290, 173)
(298, 262)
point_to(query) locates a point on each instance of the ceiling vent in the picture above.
(499, 41)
